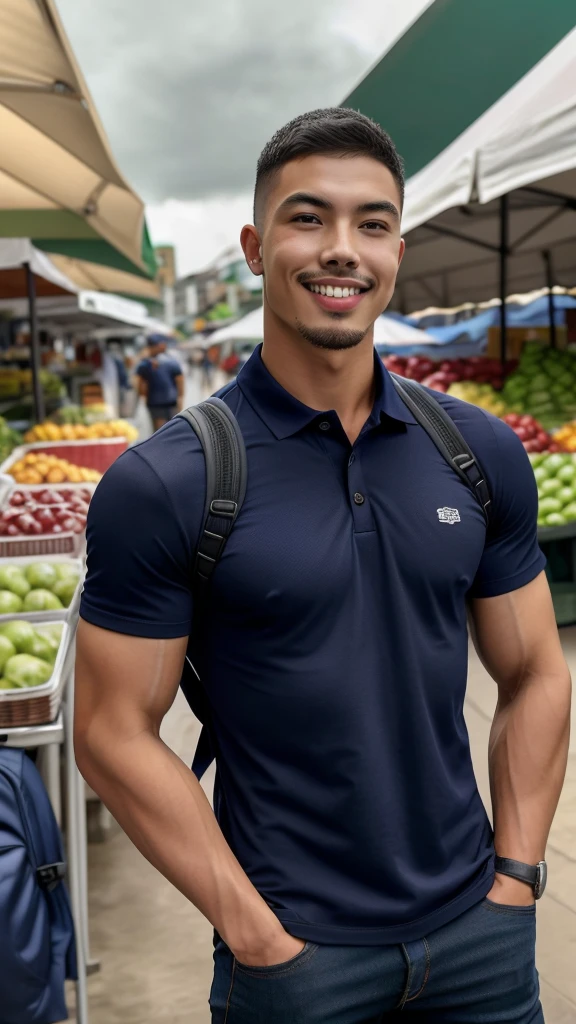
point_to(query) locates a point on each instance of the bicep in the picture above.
(515, 634)
(123, 684)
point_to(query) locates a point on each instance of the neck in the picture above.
(321, 378)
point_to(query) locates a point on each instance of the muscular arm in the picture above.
(517, 640)
(124, 687)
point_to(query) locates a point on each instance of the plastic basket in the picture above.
(42, 544)
(52, 615)
(98, 454)
(37, 705)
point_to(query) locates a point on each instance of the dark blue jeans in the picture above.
(479, 969)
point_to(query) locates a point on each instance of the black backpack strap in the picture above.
(226, 479)
(445, 434)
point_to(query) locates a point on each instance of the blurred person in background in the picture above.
(160, 382)
(350, 870)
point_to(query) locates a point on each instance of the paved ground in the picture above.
(155, 948)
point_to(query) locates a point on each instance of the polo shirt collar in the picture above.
(284, 415)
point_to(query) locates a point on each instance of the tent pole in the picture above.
(503, 277)
(547, 257)
(39, 409)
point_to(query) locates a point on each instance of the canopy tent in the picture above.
(90, 311)
(96, 277)
(59, 183)
(451, 65)
(495, 212)
(387, 331)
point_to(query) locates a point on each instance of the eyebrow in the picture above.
(306, 198)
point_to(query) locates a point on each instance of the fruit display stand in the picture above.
(52, 615)
(559, 545)
(98, 454)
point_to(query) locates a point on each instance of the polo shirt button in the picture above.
(359, 498)
(324, 425)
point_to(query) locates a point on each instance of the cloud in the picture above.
(190, 91)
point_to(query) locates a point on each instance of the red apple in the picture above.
(17, 498)
(12, 530)
(522, 433)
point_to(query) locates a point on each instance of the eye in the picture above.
(375, 225)
(306, 218)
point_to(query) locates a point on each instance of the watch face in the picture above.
(540, 879)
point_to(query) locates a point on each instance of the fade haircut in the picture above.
(332, 130)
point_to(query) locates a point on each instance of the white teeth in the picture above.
(323, 289)
(329, 291)
(333, 291)
(337, 293)
(346, 292)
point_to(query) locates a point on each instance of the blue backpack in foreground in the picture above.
(37, 945)
(226, 480)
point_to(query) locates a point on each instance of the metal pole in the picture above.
(503, 277)
(39, 408)
(547, 257)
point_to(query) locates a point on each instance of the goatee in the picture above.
(333, 338)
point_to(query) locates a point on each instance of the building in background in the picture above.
(166, 278)
(223, 291)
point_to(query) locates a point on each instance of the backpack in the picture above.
(226, 478)
(37, 945)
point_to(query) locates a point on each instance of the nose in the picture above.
(339, 250)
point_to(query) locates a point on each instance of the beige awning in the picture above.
(96, 277)
(54, 155)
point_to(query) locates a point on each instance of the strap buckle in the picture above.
(49, 875)
(219, 507)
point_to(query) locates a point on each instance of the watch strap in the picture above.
(516, 869)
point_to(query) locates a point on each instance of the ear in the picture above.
(250, 242)
(401, 251)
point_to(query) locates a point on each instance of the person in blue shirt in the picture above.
(161, 382)
(349, 868)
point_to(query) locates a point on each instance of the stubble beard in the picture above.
(334, 338)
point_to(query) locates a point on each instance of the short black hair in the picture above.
(337, 130)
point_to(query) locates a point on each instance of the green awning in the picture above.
(64, 232)
(452, 65)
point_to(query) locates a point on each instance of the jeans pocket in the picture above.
(509, 908)
(286, 967)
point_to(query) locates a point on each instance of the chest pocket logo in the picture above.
(449, 515)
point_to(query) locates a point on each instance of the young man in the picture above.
(350, 873)
(161, 382)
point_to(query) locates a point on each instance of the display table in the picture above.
(559, 545)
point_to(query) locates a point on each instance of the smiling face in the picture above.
(331, 244)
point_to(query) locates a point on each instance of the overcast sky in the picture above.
(190, 91)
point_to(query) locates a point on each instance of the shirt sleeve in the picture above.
(142, 369)
(511, 557)
(139, 558)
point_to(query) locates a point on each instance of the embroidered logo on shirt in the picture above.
(448, 515)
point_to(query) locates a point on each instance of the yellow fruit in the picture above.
(55, 476)
(20, 477)
(32, 477)
(85, 474)
(30, 459)
(18, 467)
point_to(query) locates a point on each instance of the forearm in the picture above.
(180, 387)
(163, 809)
(527, 758)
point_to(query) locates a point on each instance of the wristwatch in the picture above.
(534, 876)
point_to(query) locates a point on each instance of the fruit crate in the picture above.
(52, 615)
(559, 545)
(43, 544)
(98, 453)
(38, 705)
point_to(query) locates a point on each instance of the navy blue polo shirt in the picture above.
(160, 374)
(335, 654)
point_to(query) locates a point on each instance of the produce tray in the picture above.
(98, 453)
(43, 544)
(52, 615)
(37, 705)
(549, 533)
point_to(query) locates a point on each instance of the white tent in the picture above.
(387, 331)
(19, 252)
(496, 211)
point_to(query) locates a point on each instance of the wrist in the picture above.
(511, 891)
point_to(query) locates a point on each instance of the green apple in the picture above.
(551, 485)
(549, 505)
(569, 512)
(555, 462)
(541, 474)
(555, 519)
(7, 650)
(10, 603)
(567, 473)
(12, 578)
(566, 495)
